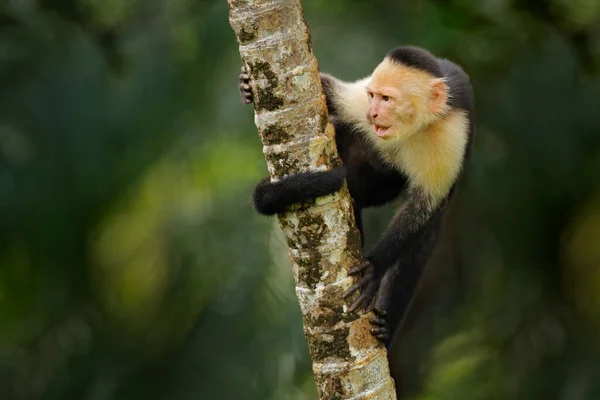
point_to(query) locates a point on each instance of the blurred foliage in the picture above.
(132, 265)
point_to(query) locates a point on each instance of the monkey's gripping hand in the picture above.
(245, 87)
(368, 285)
(370, 298)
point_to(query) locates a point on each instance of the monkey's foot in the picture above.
(245, 87)
(367, 285)
(380, 327)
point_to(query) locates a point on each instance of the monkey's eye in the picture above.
(371, 94)
(385, 98)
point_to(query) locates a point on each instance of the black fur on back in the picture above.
(416, 57)
(459, 84)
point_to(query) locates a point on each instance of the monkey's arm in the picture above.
(274, 197)
(414, 219)
(330, 85)
(407, 227)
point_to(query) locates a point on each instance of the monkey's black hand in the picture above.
(367, 285)
(380, 326)
(245, 87)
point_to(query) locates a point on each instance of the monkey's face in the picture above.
(383, 111)
(403, 100)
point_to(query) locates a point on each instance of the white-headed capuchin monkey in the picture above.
(407, 128)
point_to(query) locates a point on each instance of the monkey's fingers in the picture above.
(379, 312)
(382, 337)
(379, 331)
(361, 302)
(245, 86)
(378, 322)
(357, 286)
(360, 267)
(246, 92)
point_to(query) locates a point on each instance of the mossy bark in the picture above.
(293, 125)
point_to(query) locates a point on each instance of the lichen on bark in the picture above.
(266, 99)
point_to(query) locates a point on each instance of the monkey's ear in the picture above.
(439, 96)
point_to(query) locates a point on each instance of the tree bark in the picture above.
(294, 127)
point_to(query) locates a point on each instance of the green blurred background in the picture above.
(133, 267)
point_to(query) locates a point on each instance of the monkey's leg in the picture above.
(399, 284)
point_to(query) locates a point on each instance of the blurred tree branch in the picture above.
(323, 241)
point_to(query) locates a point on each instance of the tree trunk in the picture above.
(293, 125)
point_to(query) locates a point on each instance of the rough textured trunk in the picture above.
(323, 241)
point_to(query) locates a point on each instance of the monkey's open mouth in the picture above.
(381, 130)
